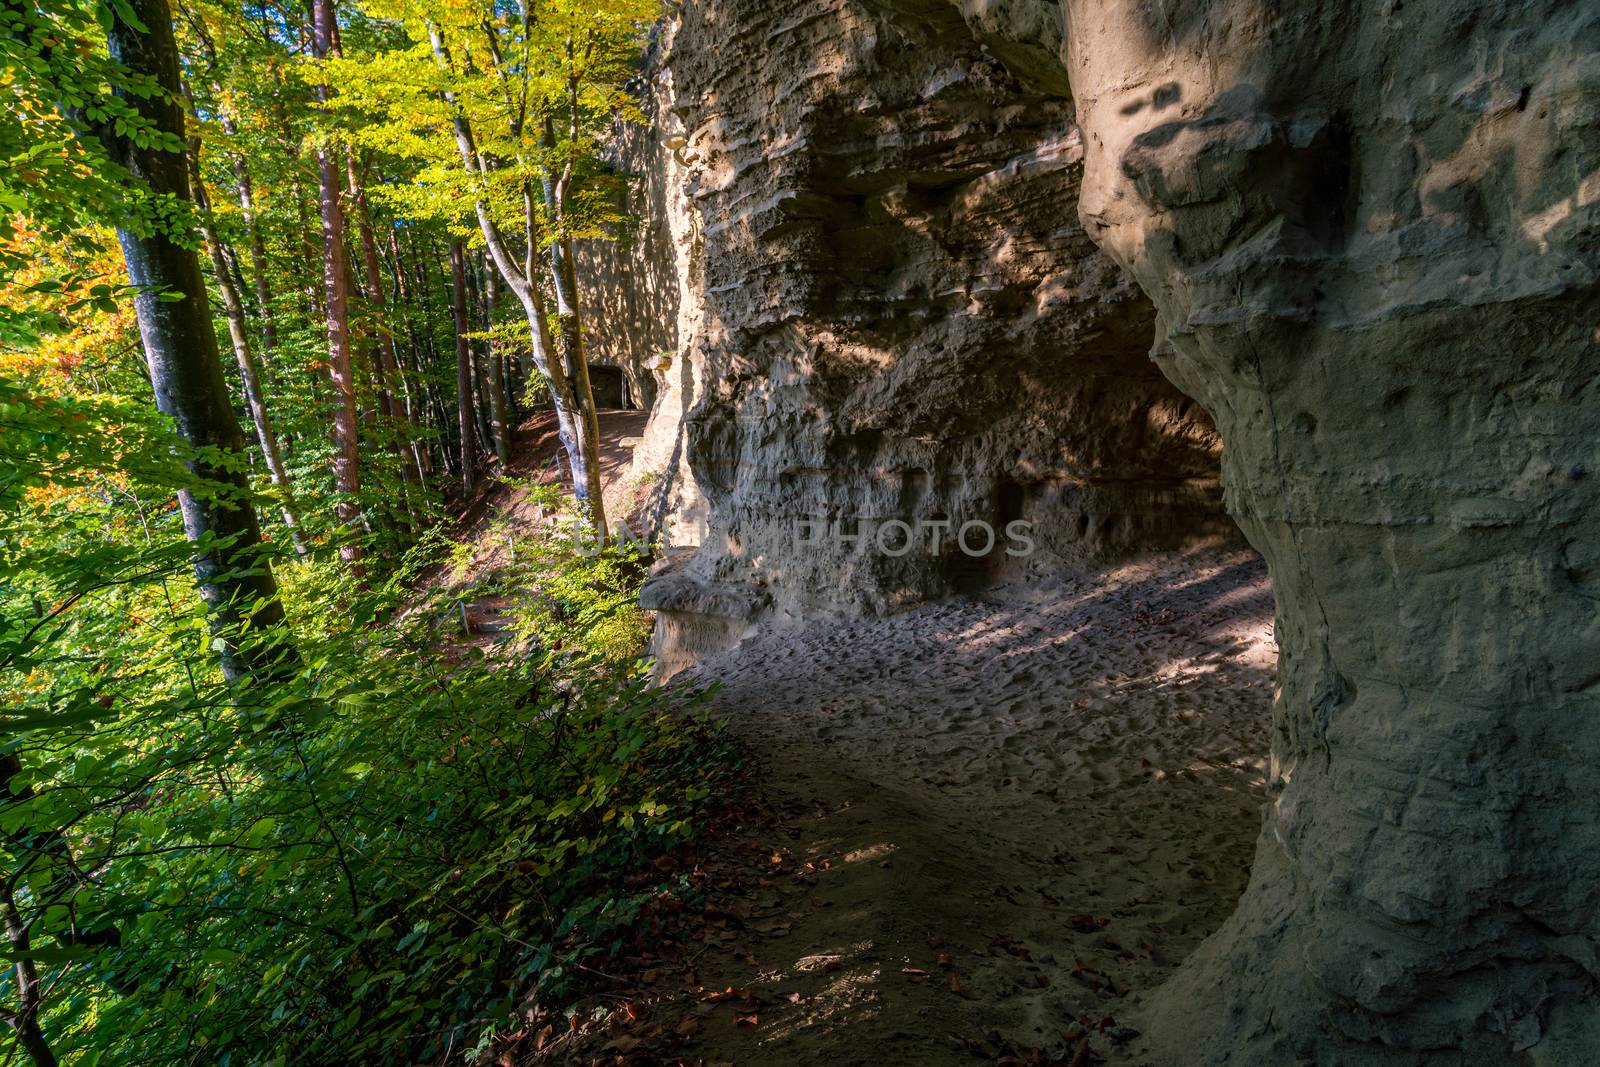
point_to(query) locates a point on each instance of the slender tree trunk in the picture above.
(414, 409)
(346, 455)
(249, 374)
(464, 405)
(508, 382)
(563, 279)
(180, 347)
(580, 437)
(258, 251)
(30, 994)
(500, 419)
(480, 379)
(385, 366)
(311, 294)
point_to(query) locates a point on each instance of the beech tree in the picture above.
(505, 110)
(179, 344)
(244, 355)
(346, 457)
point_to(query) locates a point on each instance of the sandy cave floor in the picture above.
(1016, 818)
(971, 832)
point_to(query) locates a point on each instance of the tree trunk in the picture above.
(249, 374)
(346, 454)
(587, 485)
(464, 376)
(579, 436)
(414, 405)
(311, 294)
(249, 371)
(30, 995)
(386, 367)
(500, 419)
(480, 379)
(258, 250)
(234, 575)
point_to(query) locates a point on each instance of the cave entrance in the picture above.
(612, 390)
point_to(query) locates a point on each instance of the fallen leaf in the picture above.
(747, 1020)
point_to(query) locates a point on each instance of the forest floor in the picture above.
(972, 832)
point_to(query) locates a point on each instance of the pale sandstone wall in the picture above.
(1369, 231)
(892, 313)
(629, 286)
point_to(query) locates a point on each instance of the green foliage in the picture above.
(540, 85)
(576, 597)
(371, 854)
(371, 859)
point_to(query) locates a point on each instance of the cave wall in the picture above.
(629, 295)
(892, 313)
(1372, 233)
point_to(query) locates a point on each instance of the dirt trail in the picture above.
(973, 832)
(499, 510)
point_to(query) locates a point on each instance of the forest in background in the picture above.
(279, 282)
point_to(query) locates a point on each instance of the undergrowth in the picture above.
(371, 860)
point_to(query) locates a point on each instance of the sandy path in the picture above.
(974, 832)
(1051, 804)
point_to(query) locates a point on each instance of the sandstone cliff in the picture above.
(1364, 238)
(893, 315)
(1370, 231)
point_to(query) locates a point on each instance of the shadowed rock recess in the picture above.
(1364, 238)
(896, 315)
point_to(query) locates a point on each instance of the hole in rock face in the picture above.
(610, 387)
(1010, 501)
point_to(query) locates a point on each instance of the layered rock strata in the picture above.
(893, 318)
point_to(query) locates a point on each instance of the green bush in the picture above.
(575, 597)
(368, 862)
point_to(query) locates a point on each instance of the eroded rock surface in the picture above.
(897, 317)
(1371, 233)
